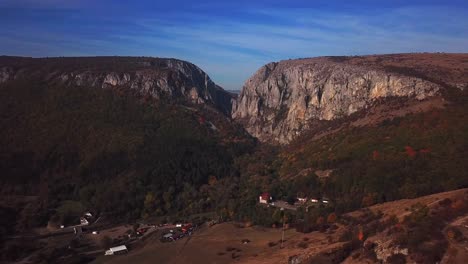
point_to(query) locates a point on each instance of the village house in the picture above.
(86, 219)
(265, 198)
(302, 199)
(325, 200)
(83, 221)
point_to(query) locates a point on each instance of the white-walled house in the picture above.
(265, 198)
(302, 199)
(83, 221)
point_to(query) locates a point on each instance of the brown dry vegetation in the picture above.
(444, 67)
(223, 243)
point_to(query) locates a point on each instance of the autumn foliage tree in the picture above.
(331, 218)
(375, 155)
(368, 200)
(320, 220)
(410, 151)
(149, 205)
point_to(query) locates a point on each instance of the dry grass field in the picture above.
(222, 243)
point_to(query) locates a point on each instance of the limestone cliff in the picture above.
(163, 79)
(279, 101)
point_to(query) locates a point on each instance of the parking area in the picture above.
(174, 234)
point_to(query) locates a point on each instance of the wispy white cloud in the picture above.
(305, 33)
(231, 47)
(275, 40)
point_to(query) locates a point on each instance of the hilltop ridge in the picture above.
(283, 99)
(159, 78)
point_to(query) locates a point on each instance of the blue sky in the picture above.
(230, 40)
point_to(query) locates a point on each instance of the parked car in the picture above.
(166, 239)
(169, 237)
(186, 228)
(141, 231)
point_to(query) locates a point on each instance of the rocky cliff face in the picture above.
(280, 99)
(164, 79)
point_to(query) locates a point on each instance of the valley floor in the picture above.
(222, 243)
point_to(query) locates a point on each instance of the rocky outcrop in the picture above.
(5, 73)
(163, 79)
(280, 99)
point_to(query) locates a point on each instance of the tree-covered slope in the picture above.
(111, 150)
(359, 165)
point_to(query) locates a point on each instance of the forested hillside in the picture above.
(69, 147)
(358, 166)
(111, 152)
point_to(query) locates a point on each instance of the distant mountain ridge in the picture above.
(159, 78)
(234, 91)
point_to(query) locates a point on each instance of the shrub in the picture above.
(331, 218)
(445, 202)
(347, 235)
(17, 249)
(229, 249)
(305, 227)
(356, 255)
(320, 220)
(105, 242)
(458, 205)
(323, 228)
(453, 233)
(372, 227)
(303, 245)
(397, 259)
(433, 252)
(272, 244)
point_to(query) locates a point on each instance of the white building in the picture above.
(116, 250)
(83, 221)
(265, 198)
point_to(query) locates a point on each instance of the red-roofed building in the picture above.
(265, 198)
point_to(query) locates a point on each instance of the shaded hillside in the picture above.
(397, 147)
(367, 158)
(163, 79)
(110, 150)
